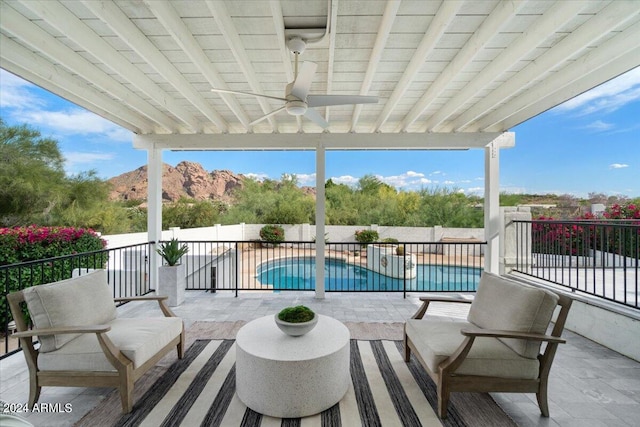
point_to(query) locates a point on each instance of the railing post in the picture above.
(509, 248)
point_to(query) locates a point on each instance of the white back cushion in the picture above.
(81, 301)
(505, 304)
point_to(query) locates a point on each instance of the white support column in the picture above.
(154, 209)
(492, 206)
(320, 210)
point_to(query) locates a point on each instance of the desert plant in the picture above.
(400, 250)
(172, 251)
(367, 236)
(297, 314)
(272, 233)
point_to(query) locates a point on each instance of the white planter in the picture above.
(296, 329)
(171, 282)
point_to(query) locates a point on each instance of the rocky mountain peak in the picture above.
(186, 179)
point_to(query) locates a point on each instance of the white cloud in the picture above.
(408, 180)
(76, 122)
(256, 176)
(607, 97)
(474, 190)
(345, 179)
(599, 126)
(15, 93)
(448, 182)
(618, 166)
(84, 159)
(436, 173)
(306, 178)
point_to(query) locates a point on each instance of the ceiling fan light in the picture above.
(296, 108)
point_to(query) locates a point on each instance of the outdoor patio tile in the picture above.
(588, 410)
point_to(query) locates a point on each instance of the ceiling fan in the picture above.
(297, 100)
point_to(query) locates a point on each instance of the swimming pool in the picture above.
(298, 273)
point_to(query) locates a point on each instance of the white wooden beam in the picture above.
(544, 70)
(557, 16)
(225, 25)
(59, 17)
(333, 22)
(491, 26)
(55, 79)
(388, 17)
(308, 141)
(285, 54)
(567, 87)
(34, 36)
(320, 220)
(120, 24)
(154, 216)
(444, 16)
(492, 208)
(168, 17)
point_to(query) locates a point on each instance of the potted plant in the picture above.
(296, 321)
(171, 276)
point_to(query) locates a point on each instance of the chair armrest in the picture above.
(427, 300)
(142, 298)
(160, 298)
(495, 333)
(446, 299)
(90, 329)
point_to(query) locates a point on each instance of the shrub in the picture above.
(272, 234)
(389, 240)
(297, 314)
(21, 244)
(32, 243)
(367, 236)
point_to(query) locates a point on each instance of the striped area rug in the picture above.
(199, 390)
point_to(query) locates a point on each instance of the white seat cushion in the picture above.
(81, 301)
(139, 339)
(435, 340)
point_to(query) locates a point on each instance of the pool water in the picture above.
(299, 273)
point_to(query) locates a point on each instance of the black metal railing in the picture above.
(258, 266)
(596, 257)
(127, 268)
(349, 267)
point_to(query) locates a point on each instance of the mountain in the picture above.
(186, 179)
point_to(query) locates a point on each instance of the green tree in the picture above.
(35, 190)
(31, 175)
(188, 213)
(272, 202)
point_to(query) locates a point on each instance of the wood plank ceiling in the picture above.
(436, 67)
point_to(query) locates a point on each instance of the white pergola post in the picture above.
(320, 217)
(154, 209)
(492, 206)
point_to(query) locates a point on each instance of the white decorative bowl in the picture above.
(296, 329)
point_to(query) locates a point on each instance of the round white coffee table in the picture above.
(290, 377)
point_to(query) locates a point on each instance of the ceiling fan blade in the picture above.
(235, 92)
(303, 81)
(314, 116)
(266, 116)
(328, 100)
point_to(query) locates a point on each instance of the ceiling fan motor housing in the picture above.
(296, 45)
(296, 107)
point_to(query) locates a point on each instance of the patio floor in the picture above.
(590, 385)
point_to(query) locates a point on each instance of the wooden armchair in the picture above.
(83, 343)
(498, 347)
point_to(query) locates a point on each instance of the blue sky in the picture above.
(588, 144)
